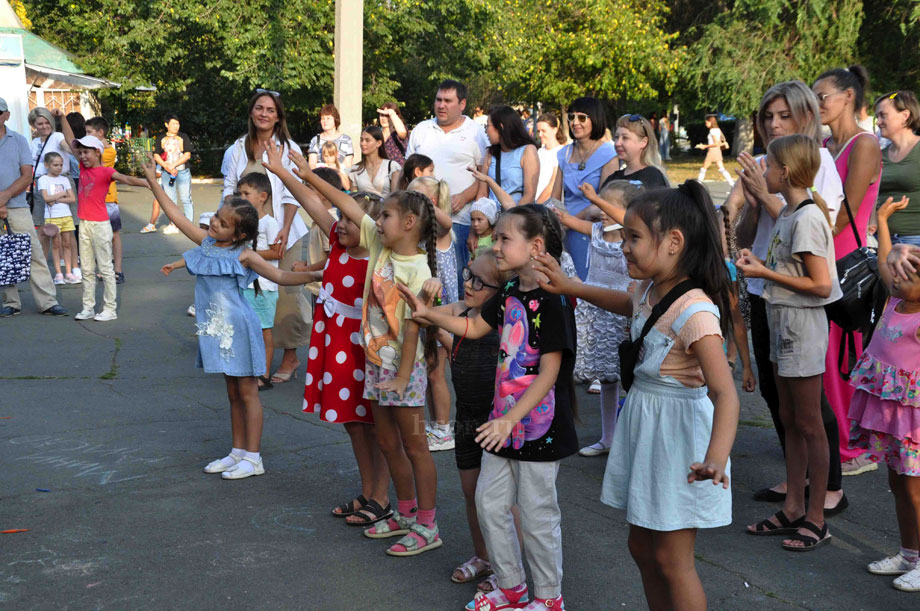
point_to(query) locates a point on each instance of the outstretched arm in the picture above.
(618, 302)
(256, 263)
(573, 222)
(134, 181)
(191, 230)
(472, 328)
(304, 196)
(171, 267)
(346, 205)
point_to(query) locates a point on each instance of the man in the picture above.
(15, 176)
(455, 143)
(176, 173)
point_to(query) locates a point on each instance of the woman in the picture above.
(293, 316)
(715, 142)
(664, 136)
(46, 140)
(587, 160)
(858, 159)
(786, 108)
(329, 121)
(551, 139)
(510, 168)
(898, 117)
(395, 132)
(374, 173)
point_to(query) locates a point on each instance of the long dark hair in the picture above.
(511, 131)
(247, 226)
(280, 131)
(377, 134)
(415, 161)
(855, 78)
(690, 209)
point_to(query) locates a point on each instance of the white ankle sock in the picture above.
(911, 555)
(237, 452)
(256, 456)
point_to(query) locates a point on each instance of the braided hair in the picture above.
(419, 204)
(247, 226)
(537, 220)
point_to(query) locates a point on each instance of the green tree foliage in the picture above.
(754, 44)
(889, 44)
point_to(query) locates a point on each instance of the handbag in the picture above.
(15, 256)
(862, 295)
(629, 349)
(30, 194)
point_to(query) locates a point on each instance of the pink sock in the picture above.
(407, 508)
(516, 593)
(426, 517)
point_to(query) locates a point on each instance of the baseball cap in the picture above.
(3, 105)
(91, 142)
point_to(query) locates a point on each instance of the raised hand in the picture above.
(751, 176)
(298, 159)
(890, 207)
(419, 308)
(556, 281)
(587, 190)
(273, 153)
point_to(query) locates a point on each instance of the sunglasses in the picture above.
(475, 281)
(580, 117)
(822, 97)
(269, 92)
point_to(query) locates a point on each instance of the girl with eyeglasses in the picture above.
(715, 142)
(637, 147)
(587, 160)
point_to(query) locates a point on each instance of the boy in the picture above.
(256, 189)
(99, 127)
(95, 227)
(56, 191)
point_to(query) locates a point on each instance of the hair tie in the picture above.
(893, 95)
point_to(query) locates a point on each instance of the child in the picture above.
(715, 142)
(99, 127)
(884, 408)
(483, 214)
(95, 227)
(55, 190)
(801, 279)
(330, 159)
(531, 426)
(151, 227)
(440, 432)
(335, 370)
(416, 165)
(637, 148)
(599, 331)
(681, 412)
(256, 189)
(229, 341)
(395, 376)
(739, 343)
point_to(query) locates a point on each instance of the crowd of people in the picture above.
(528, 267)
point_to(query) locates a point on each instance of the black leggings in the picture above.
(760, 336)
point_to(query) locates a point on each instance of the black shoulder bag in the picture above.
(863, 296)
(629, 349)
(30, 196)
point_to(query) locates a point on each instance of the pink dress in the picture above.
(839, 392)
(886, 405)
(335, 367)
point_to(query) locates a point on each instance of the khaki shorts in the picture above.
(798, 340)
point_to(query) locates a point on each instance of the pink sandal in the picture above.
(419, 540)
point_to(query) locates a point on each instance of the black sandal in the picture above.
(372, 512)
(766, 528)
(266, 383)
(808, 543)
(346, 508)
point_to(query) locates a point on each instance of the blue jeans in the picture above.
(913, 240)
(461, 234)
(183, 185)
(664, 146)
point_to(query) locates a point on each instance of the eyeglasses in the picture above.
(579, 117)
(269, 92)
(475, 281)
(822, 97)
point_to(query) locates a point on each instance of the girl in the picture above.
(229, 333)
(715, 142)
(483, 215)
(440, 433)
(884, 408)
(858, 158)
(57, 194)
(682, 411)
(395, 376)
(800, 280)
(599, 331)
(375, 172)
(637, 147)
(330, 159)
(333, 386)
(738, 345)
(510, 168)
(416, 165)
(531, 426)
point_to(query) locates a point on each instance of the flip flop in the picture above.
(346, 508)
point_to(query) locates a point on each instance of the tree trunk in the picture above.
(564, 120)
(744, 136)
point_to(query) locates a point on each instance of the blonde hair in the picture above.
(799, 154)
(640, 126)
(436, 189)
(329, 147)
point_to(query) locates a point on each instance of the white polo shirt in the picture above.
(452, 152)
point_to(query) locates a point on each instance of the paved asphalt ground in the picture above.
(114, 423)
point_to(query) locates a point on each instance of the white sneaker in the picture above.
(170, 229)
(438, 441)
(244, 468)
(85, 315)
(59, 278)
(892, 565)
(77, 273)
(908, 582)
(105, 316)
(191, 310)
(149, 228)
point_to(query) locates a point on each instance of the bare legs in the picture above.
(372, 467)
(245, 412)
(437, 388)
(906, 491)
(402, 439)
(668, 568)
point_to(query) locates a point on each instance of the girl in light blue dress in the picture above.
(229, 332)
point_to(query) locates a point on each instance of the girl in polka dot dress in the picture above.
(335, 368)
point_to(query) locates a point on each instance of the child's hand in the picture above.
(631, 289)
(300, 266)
(890, 207)
(419, 308)
(300, 162)
(708, 469)
(431, 289)
(587, 190)
(903, 260)
(749, 264)
(472, 241)
(748, 383)
(556, 280)
(57, 113)
(148, 167)
(396, 385)
(492, 434)
(273, 153)
(481, 177)
(166, 269)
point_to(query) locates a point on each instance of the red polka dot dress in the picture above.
(335, 366)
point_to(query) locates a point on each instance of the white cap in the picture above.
(487, 208)
(91, 142)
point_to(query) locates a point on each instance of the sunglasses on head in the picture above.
(269, 92)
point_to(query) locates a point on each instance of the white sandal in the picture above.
(241, 471)
(908, 582)
(470, 570)
(595, 449)
(220, 465)
(892, 565)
